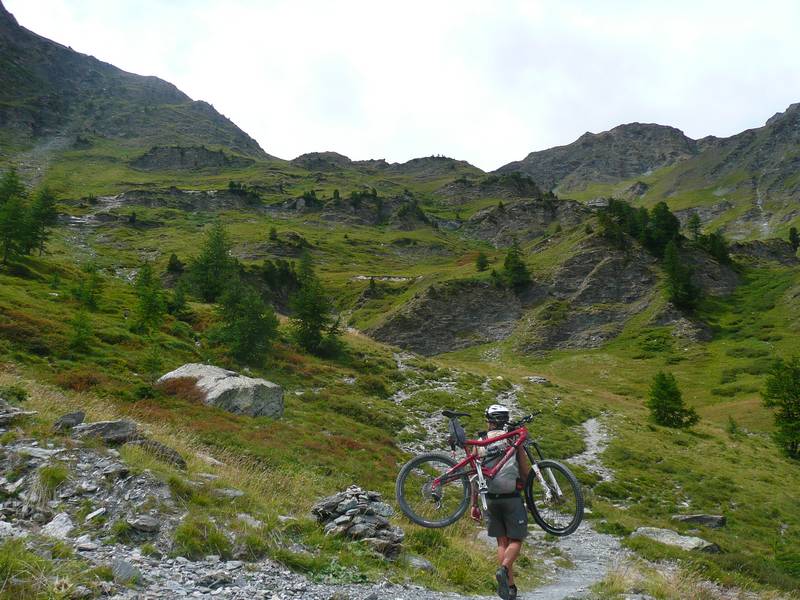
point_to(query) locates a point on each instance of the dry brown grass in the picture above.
(670, 582)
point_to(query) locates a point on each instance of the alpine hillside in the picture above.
(214, 361)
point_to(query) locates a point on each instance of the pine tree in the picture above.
(680, 289)
(175, 265)
(666, 403)
(81, 337)
(13, 227)
(313, 323)
(514, 269)
(694, 225)
(10, 186)
(794, 238)
(782, 391)
(43, 216)
(211, 272)
(150, 307)
(249, 326)
(481, 261)
(662, 228)
(90, 288)
(273, 234)
(177, 305)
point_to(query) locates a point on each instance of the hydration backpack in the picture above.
(505, 482)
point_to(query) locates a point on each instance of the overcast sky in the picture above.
(486, 82)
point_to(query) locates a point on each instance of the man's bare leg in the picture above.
(510, 554)
(502, 545)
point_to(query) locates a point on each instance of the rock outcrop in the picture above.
(770, 250)
(111, 432)
(630, 150)
(183, 158)
(452, 315)
(523, 220)
(714, 521)
(229, 390)
(360, 515)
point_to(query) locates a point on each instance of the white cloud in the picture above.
(481, 81)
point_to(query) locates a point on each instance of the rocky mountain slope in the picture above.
(626, 151)
(48, 90)
(747, 183)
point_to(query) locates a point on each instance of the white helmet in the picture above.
(497, 413)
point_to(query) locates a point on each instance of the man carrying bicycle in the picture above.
(507, 517)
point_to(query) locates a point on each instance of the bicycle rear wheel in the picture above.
(556, 505)
(424, 501)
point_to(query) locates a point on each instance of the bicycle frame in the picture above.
(484, 473)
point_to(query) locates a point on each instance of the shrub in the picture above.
(197, 537)
(373, 385)
(184, 388)
(666, 403)
(79, 380)
(15, 394)
(52, 476)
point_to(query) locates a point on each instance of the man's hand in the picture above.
(476, 514)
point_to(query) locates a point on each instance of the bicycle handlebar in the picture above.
(523, 420)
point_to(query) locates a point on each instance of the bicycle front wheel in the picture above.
(557, 502)
(428, 494)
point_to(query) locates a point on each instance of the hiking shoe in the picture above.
(502, 583)
(512, 592)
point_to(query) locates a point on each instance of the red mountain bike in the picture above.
(433, 489)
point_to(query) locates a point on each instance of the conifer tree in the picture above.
(211, 272)
(694, 225)
(794, 238)
(249, 326)
(10, 186)
(150, 307)
(680, 289)
(13, 221)
(313, 323)
(782, 391)
(514, 269)
(81, 336)
(42, 217)
(90, 288)
(481, 261)
(666, 403)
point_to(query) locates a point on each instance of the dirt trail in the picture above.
(591, 554)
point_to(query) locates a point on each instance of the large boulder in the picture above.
(228, 390)
(672, 538)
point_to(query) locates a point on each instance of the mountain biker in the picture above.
(507, 517)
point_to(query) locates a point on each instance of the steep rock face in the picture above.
(771, 250)
(595, 291)
(626, 151)
(452, 315)
(187, 158)
(711, 276)
(47, 89)
(399, 212)
(505, 185)
(523, 220)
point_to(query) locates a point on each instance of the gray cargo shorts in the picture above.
(507, 517)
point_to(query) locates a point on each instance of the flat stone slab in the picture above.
(673, 538)
(230, 391)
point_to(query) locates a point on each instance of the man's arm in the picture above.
(524, 464)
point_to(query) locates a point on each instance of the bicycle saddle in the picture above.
(450, 414)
